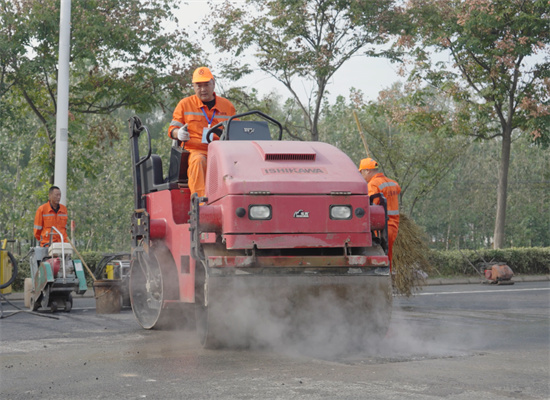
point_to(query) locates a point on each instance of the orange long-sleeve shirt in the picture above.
(45, 218)
(390, 189)
(191, 110)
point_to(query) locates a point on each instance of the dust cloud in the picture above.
(302, 315)
(326, 320)
(329, 327)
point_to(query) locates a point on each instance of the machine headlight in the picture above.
(259, 212)
(340, 212)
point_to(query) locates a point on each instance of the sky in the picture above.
(370, 75)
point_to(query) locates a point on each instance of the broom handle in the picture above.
(82, 259)
(361, 133)
(469, 262)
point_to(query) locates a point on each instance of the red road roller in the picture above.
(285, 245)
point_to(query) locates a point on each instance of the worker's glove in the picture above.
(183, 134)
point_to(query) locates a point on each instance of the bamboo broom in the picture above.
(410, 251)
(410, 257)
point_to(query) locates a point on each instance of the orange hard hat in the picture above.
(368, 163)
(202, 74)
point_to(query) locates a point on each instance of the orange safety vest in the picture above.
(45, 218)
(190, 111)
(390, 189)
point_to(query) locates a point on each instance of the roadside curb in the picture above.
(464, 281)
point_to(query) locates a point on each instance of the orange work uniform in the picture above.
(192, 111)
(45, 218)
(390, 189)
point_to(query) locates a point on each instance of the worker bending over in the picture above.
(48, 215)
(379, 183)
(193, 116)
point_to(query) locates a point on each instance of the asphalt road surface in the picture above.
(451, 342)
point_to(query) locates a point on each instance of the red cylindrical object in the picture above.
(210, 218)
(55, 263)
(377, 218)
(157, 228)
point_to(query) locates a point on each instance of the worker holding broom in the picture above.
(379, 183)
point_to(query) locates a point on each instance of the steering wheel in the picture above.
(211, 131)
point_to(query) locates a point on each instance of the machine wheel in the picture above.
(206, 337)
(36, 301)
(53, 306)
(153, 279)
(35, 305)
(226, 312)
(209, 319)
(69, 303)
(27, 288)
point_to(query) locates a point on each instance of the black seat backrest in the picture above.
(151, 175)
(152, 178)
(248, 130)
(177, 172)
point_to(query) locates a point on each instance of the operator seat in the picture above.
(152, 177)
(177, 172)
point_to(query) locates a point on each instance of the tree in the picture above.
(120, 57)
(416, 153)
(498, 72)
(297, 41)
(459, 213)
(17, 173)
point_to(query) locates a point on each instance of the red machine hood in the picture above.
(279, 167)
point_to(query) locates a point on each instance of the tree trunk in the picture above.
(502, 189)
(448, 238)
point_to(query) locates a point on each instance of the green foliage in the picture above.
(417, 156)
(23, 271)
(120, 57)
(497, 71)
(460, 212)
(498, 65)
(523, 261)
(449, 183)
(297, 41)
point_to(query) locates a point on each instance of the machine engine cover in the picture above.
(274, 167)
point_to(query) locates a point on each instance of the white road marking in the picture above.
(483, 291)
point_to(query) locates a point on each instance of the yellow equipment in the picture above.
(8, 268)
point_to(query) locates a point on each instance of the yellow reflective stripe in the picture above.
(386, 184)
(393, 212)
(176, 123)
(37, 227)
